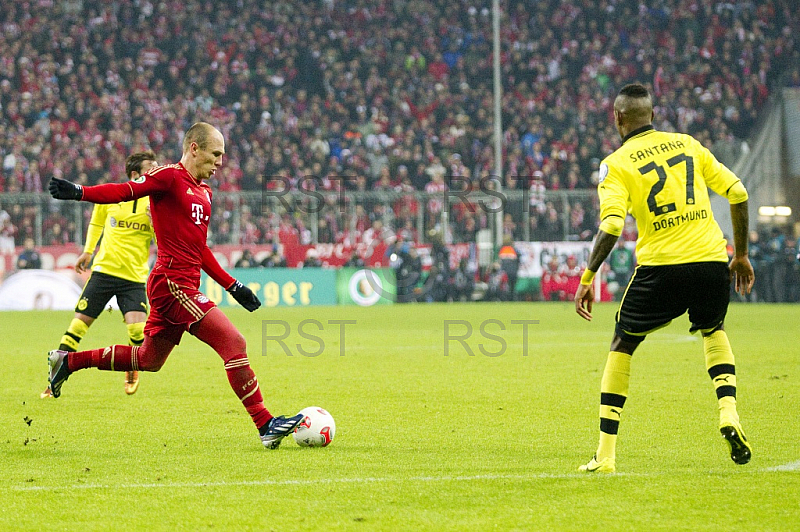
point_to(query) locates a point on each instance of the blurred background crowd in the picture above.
(392, 96)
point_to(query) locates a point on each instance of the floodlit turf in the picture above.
(424, 440)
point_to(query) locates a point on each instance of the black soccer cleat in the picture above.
(741, 452)
(277, 429)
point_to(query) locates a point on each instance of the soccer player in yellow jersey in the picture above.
(120, 267)
(662, 179)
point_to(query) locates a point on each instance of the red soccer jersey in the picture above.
(181, 209)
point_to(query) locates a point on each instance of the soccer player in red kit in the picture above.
(180, 204)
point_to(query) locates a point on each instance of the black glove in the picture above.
(244, 296)
(62, 189)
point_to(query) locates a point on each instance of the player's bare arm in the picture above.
(741, 269)
(584, 297)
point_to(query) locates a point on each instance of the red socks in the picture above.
(112, 358)
(245, 385)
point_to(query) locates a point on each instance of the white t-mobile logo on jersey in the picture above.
(197, 213)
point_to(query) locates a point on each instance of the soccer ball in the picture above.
(317, 428)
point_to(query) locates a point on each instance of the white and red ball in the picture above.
(317, 428)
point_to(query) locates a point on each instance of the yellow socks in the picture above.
(613, 393)
(73, 336)
(722, 370)
(135, 333)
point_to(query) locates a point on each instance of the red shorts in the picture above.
(174, 307)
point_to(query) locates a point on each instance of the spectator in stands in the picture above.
(496, 284)
(273, 259)
(325, 234)
(7, 232)
(779, 265)
(312, 259)
(629, 233)
(81, 99)
(537, 194)
(509, 227)
(355, 261)
(463, 282)
(554, 282)
(572, 271)
(439, 274)
(246, 260)
(29, 259)
(377, 234)
(403, 259)
(413, 273)
(508, 256)
(56, 235)
(436, 188)
(621, 267)
(578, 226)
(552, 224)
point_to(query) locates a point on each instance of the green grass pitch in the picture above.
(424, 441)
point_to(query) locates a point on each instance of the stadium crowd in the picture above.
(390, 95)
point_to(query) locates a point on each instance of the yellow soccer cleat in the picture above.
(131, 382)
(606, 465)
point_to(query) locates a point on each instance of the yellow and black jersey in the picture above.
(662, 179)
(127, 232)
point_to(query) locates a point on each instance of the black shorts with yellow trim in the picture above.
(656, 295)
(100, 288)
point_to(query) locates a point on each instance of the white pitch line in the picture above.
(294, 482)
(791, 466)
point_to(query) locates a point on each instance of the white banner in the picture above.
(534, 256)
(38, 290)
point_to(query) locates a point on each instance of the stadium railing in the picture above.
(240, 217)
